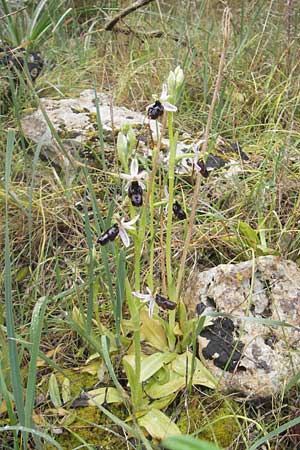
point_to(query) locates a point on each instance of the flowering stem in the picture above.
(142, 228)
(172, 157)
(151, 223)
(171, 200)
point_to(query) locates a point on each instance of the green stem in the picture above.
(133, 304)
(170, 202)
(172, 159)
(151, 221)
(148, 200)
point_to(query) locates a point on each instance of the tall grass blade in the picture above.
(106, 356)
(10, 23)
(36, 433)
(274, 433)
(12, 344)
(100, 227)
(91, 273)
(35, 337)
(6, 396)
(187, 443)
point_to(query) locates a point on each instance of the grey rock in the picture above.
(74, 120)
(242, 347)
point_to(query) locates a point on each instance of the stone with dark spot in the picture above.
(221, 342)
(248, 347)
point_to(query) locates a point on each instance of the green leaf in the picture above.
(183, 366)
(54, 391)
(105, 352)
(156, 390)
(37, 320)
(158, 424)
(187, 443)
(162, 403)
(153, 332)
(151, 364)
(130, 373)
(15, 372)
(263, 251)
(22, 274)
(248, 235)
(103, 395)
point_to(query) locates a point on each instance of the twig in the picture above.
(226, 35)
(141, 34)
(13, 13)
(125, 12)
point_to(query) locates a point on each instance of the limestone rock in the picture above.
(248, 352)
(74, 120)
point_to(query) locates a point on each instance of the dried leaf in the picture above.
(66, 390)
(54, 391)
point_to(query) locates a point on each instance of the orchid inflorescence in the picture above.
(135, 181)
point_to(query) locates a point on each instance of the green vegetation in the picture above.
(87, 359)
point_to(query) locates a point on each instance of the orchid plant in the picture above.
(165, 107)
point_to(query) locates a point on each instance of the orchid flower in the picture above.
(126, 226)
(146, 298)
(134, 174)
(164, 99)
(196, 148)
(156, 109)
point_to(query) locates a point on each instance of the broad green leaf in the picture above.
(153, 332)
(156, 390)
(162, 376)
(54, 391)
(22, 274)
(187, 443)
(248, 234)
(163, 402)
(182, 365)
(130, 373)
(103, 395)
(158, 425)
(151, 364)
(263, 251)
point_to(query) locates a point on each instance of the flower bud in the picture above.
(122, 148)
(179, 76)
(131, 140)
(171, 83)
